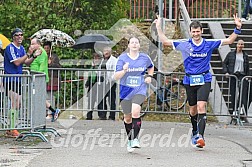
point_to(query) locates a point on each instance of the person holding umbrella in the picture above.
(92, 85)
(54, 76)
(130, 70)
(14, 58)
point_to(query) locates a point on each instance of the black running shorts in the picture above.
(12, 86)
(197, 93)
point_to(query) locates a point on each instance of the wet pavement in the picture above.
(103, 143)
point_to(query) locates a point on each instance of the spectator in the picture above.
(14, 58)
(53, 62)
(1, 47)
(41, 65)
(91, 84)
(247, 10)
(108, 63)
(54, 75)
(1, 54)
(237, 63)
(1, 73)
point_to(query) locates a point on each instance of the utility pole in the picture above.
(160, 56)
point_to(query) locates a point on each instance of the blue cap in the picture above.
(15, 31)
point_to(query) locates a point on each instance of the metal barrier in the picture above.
(145, 9)
(72, 91)
(219, 99)
(73, 94)
(21, 107)
(244, 110)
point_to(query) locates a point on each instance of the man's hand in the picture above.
(30, 50)
(158, 22)
(237, 21)
(37, 53)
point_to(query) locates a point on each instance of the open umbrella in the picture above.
(56, 37)
(90, 40)
(5, 41)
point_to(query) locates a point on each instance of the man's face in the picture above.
(34, 44)
(106, 53)
(18, 38)
(196, 33)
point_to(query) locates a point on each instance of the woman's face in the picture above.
(47, 49)
(96, 59)
(134, 44)
(240, 45)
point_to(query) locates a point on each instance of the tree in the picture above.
(64, 15)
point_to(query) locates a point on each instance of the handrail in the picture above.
(144, 9)
(185, 14)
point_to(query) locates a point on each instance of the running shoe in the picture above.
(243, 20)
(194, 139)
(56, 115)
(129, 148)
(12, 133)
(135, 143)
(200, 142)
(49, 116)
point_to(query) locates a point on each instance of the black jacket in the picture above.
(229, 63)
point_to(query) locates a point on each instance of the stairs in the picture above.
(216, 61)
(246, 36)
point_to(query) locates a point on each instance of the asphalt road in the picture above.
(103, 143)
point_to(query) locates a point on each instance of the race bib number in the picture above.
(133, 81)
(196, 80)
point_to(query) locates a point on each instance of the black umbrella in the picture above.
(88, 41)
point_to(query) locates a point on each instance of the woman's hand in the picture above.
(125, 67)
(147, 79)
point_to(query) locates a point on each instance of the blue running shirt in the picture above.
(12, 53)
(197, 57)
(132, 82)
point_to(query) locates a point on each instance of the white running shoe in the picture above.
(250, 17)
(243, 20)
(129, 148)
(135, 143)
